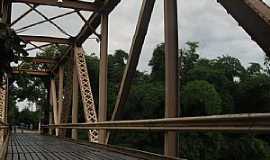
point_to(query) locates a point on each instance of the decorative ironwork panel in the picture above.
(86, 92)
(3, 95)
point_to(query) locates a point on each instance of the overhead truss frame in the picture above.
(100, 13)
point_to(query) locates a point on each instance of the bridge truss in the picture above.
(70, 68)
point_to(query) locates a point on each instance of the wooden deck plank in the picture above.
(37, 147)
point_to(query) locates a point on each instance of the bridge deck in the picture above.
(36, 147)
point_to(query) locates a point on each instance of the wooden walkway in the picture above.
(36, 147)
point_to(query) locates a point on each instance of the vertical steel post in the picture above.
(60, 92)
(6, 107)
(171, 61)
(103, 77)
(2, 109)
(75, 99)
(55, 110)
(50, 111)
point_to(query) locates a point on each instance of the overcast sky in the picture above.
(204, 21)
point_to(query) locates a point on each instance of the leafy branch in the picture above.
(11, 48)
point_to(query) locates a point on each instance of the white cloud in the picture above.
(203, 21)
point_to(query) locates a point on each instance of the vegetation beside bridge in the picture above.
(209, 86)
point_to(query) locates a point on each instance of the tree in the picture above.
(11, 48)
(200, 98)
(188, 58)
(231, 66)
(254, 68)
(157, 63)
(253, 95)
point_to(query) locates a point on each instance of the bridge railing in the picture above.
(233, 123)
(4, 135)
(255, 123)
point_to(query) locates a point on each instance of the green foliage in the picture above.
(253, 95)
(200, 98)
(208, 86)
(10, 47)
(231, 66)
(157, 63)
(254, 68)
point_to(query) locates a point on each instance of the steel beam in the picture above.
(22, 16)
(31, 72)
(75, 101)
(86, 91)
(49, 20)
(134, 54)
(37, 60)
(133, 59)
(62, 59)
(50, 111)
(171, 72)
(43, 21)
(78, 5)
(55, 107)
(234, 123)
(103, 77)
(55, 40)
(254, 17)
(94, 22)
(60, 93)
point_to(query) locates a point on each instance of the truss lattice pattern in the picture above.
(86, 92)
(3, 95)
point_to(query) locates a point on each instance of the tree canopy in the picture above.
(208, 87)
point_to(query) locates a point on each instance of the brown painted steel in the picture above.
(31, 72)
(254, 17)
(259, 122)
(133, 59)
(80, 5)
(62, 59)
(94, 21)
(68, 89)
(56, 40)
(103, 77)
(134, 54)
(4, 147)
(43, 21)
(86, 91)
(38, 60)
(171, 72)
(60, 96)
(22, 16)
(75, 101)
(55, 107)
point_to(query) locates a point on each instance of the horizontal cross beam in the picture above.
(39, 60)
(55, 40)
(31, 72)
(78, 5)
(94, 22)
